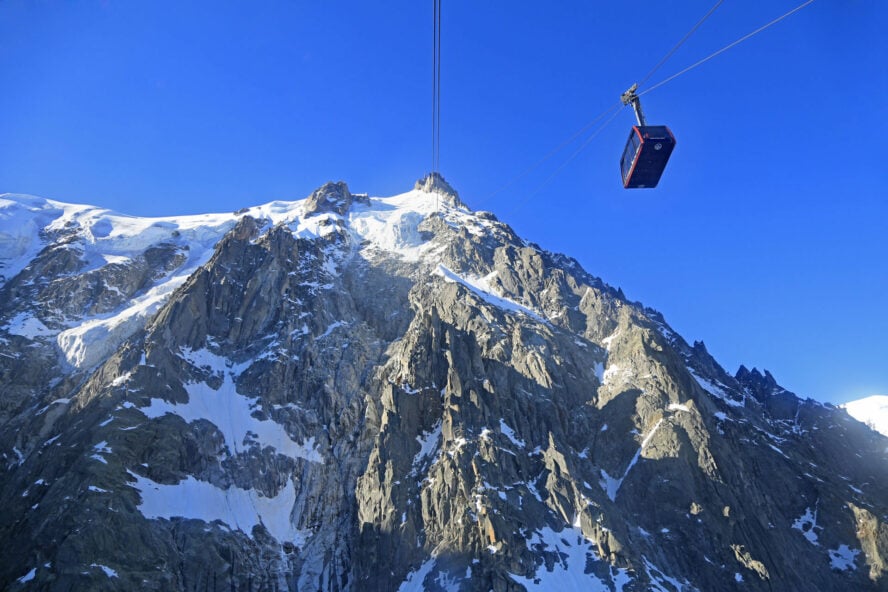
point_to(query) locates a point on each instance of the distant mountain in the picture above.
(349, 393)
(873, 411)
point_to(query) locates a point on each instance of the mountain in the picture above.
(873, 411)
(347, 393)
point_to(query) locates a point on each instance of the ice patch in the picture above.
(610, 485)
(598, 368)
(333, 326)
(608, 341)
(28, 576)
(715, 390)
(93, 340)
(107, 570)
(568, 571)
(231, 413)
(27, 326)
(428, 444)
(510, 434)
(616, 375)
(240, 509)
(660, 580)
(842, 558)
(415, 579)
(807, 524)
(481, 287)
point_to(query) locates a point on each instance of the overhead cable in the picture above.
(727, 47)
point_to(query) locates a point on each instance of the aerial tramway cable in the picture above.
(679, 44)
(727, 47)
(618, 107)
(436, 85)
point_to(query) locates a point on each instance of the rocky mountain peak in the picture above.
(435, 183)
(331, 197)
(760, 384)
(324, 395)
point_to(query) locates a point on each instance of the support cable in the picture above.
(616, 111)
(727, 47)
(554, 151)
(436, 85)
(679, 44)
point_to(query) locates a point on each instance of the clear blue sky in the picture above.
(766, 238)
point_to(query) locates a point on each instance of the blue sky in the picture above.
(766, 237)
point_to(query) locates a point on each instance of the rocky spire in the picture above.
(331, 197)
(435, 183)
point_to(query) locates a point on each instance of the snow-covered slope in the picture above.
(105, 238)
(873, 411)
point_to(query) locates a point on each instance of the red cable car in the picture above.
(647, 150)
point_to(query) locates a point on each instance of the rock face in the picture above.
(349, 393)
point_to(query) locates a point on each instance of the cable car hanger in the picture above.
(647, 150)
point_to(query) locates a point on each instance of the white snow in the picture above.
(414, 580)
(510, 434)
(842, 557)
(659, 578)
(28, 576)
(108, 571)
(392, 224)
(22, 217)
(231, 412)
(598, 368)
(481, 287)
(333, 326)
(28, 326)
(677, 407)
(807, 524)
(573, 550)
(240, 509)
(94, 339)
(428, 444)
(873, 411)
(616, 375)
(105, 238)
(611, 485)
(715, 389)
(456, 446)
(608, 341)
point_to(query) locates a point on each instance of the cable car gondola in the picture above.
(647, 149)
